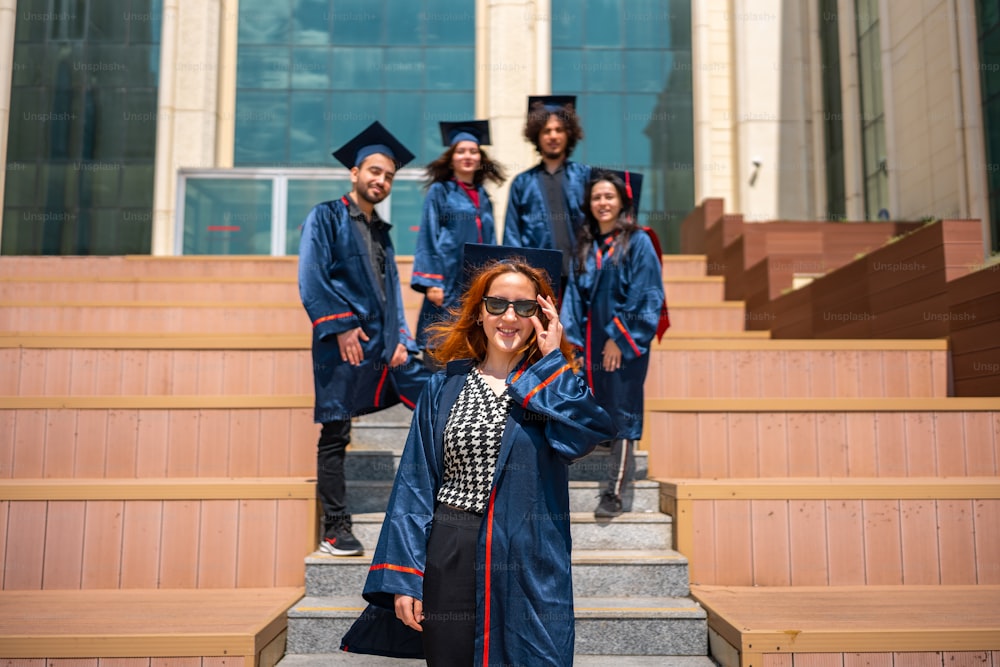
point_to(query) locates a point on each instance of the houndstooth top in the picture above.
(472, 444)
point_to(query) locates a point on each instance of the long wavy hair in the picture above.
(461, 336)
(440, 170)
(591, 229)
(538, 116)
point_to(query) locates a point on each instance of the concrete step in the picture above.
(628, 573)
(632, 530)
(372, 495)
(658, 626)
(355, 660)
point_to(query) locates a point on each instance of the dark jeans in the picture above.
(330, 482)
(450, 588)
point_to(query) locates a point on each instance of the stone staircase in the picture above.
(630, 585)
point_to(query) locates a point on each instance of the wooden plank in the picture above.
(803, 445)
(172, 402)
(64, 524)
(866, 404)
(734, 543)
(60, 442)
(957, 553)
(981, 444)
(890, 444)
(831, 445)
(817, 619)
(743, 459)
(844, 543)
(918, 528)
(24, 556)
(987, 531)
(102, 539)
(171, 488)
(142, 539)
(123, 442)
(255, 554)
(828, 488)
(179, 537)
(153, 443)
(217, 546)
(769, 547)
(883, 550)
(772, 445)
(807, 543)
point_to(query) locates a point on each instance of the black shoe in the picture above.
(339, 540)
(610, 506)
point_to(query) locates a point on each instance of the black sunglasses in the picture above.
(496, 305)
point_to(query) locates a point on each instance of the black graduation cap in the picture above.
(465, 130)
(631, 179)
(477, 255)
(552, 103)
(373, 139)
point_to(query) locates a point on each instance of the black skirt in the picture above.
(449, 623)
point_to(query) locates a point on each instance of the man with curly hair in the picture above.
(545, 208)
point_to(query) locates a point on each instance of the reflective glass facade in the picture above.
(82, 130)
(872, 111)
(629, 64)
(312, 73)
(989, 64)
(833, 118)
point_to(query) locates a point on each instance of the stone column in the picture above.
(513, 60)
(187, 120)
(8, 21)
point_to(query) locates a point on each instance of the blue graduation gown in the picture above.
(526, 223)
(617, 298)
(524, 584)
(340, 291)
(450, 220)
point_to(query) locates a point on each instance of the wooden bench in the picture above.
(243, 624)
(853, 626)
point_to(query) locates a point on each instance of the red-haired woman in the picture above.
(475, 548)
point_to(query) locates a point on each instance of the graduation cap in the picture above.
(373, 139)
(552, 103)
(477, 255)
(465, 130)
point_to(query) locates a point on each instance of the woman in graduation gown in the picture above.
(612, 311)
(457, 210)
(475, 549)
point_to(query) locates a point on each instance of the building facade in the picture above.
(186, 127)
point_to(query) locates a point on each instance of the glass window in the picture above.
(313, 73)
(988, 13)
(82, 128)
(383, 48)
(872, 111)
(631, 60)
(227, 216)
(405, 205)
(833, 134)
(303, 195)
